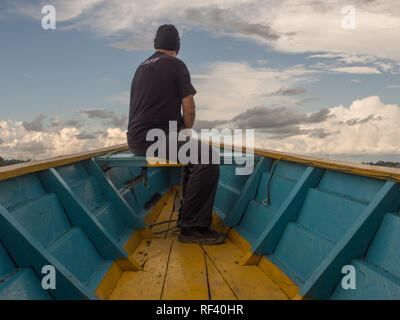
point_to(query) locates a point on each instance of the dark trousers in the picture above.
(199, 187)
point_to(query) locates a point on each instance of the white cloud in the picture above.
(296, 26)
(325, 56)
(357, 70)
(65, 10)
(19, 143)
(318, 28)
(229, 88)
(367, 126)
(113, 136)
(354, 64)
(340, 62)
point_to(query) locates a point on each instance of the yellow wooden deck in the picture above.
(181, 271)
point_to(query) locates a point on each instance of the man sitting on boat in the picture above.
(160, 90)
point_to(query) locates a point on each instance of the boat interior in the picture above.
(292, 225)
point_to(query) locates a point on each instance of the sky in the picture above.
(311, 77)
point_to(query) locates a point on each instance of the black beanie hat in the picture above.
(167, 38)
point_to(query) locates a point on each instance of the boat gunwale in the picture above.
(372, 171)
(377, 172)
(21, 169)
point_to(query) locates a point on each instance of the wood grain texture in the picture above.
(248, 282)
(239, 241)
(186, 277)
(109, 282)
(146, 284)
(279, 277)
(219, 289)
(165, 215)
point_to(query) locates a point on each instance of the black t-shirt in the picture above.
(158, 87)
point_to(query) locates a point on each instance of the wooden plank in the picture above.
(155, 211)
(173, 234)
(279, 277)
(20, 169)
(186, 277)
(151, 217)
(217, 223)
(109, 282)
(146, 284)
(135, 239)
(219, 289)
(165, 214)
(141, 254)
(248, 282)
(250, 258)
(239, 241)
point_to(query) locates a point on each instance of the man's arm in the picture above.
(189, 112)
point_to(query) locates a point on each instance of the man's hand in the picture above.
(189, 112)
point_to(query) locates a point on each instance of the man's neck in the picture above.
(168, 52)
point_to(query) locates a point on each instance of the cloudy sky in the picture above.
(295, 70)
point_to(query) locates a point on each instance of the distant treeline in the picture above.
(11, 161)
(384, 164)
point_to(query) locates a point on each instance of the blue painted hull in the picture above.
(308, 221)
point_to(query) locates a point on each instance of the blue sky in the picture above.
(247, 59)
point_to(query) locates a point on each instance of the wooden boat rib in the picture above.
(293, 225)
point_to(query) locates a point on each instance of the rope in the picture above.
(268, 199)
(166, 230)
(106, 157)
(163, 222)
(144, 176)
